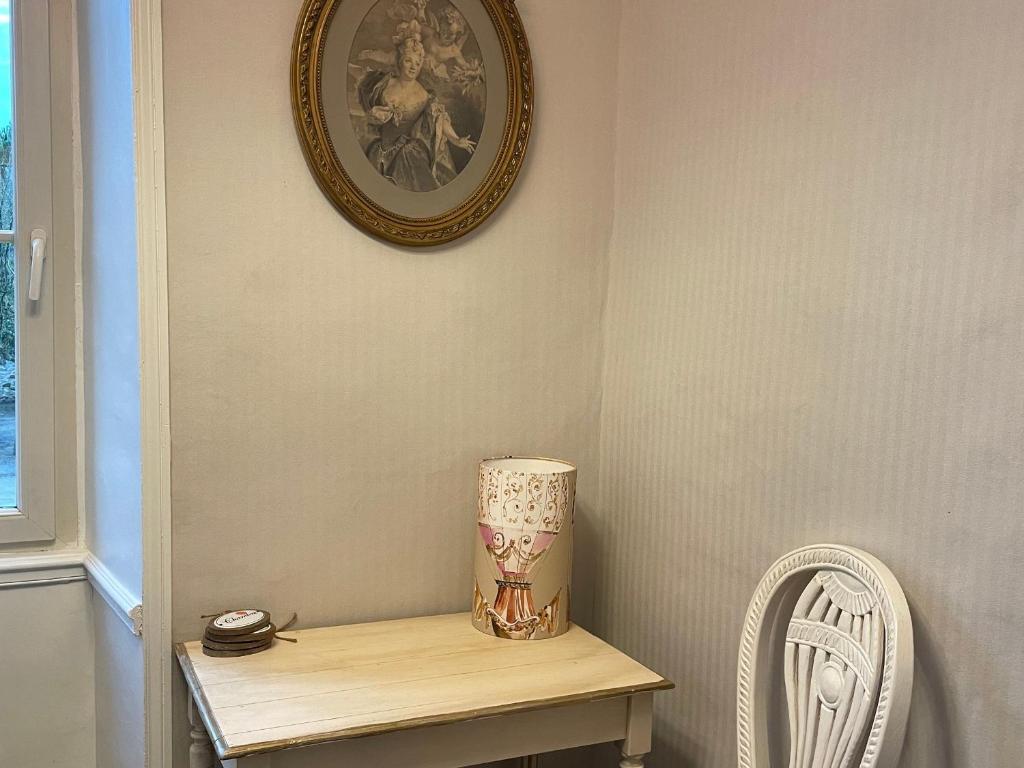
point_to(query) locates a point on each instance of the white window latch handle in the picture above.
(35, 277)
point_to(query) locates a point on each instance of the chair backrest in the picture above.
(848, 662)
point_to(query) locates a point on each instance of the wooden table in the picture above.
(426, 693)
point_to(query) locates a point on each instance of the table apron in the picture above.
(468, 743)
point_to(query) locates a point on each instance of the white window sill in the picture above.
(59, 566)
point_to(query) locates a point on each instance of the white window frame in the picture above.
(33, 519)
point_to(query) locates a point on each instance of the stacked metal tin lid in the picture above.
(240, 633)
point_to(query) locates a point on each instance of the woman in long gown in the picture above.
(414, 129)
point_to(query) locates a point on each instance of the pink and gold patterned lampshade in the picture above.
(524, 547)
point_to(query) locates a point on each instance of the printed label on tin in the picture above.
(239, 619)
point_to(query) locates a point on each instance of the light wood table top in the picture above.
(344, 682)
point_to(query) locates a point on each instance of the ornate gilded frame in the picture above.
(307, 52)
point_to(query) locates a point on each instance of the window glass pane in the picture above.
(8, 294)
(8, 380)
(6, 120)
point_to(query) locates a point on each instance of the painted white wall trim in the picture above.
(154, 357)
(127, 606)
(27, 569)
(66, 566)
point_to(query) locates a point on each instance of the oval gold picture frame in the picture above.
(336, 181)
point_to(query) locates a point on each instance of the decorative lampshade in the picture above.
(524, 547)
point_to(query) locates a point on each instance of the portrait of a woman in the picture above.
(415, 131)
(404, 94)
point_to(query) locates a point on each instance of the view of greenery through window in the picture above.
(8, 293)
(8, 305)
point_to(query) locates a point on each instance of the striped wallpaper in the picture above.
(814, 332)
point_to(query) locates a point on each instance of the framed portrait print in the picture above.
(414, 115)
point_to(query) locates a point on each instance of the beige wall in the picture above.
(813, 332)
(120, 691)
(113, 511)
(110, 338)
(47, 712)
(815, 314)
(331, 394)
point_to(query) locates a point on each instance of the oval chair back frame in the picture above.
(884, 741)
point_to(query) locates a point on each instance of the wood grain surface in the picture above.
(344, 682)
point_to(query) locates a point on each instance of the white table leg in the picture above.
(637, 743)
(200, 754)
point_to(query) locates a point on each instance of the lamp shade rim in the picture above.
(536, 465)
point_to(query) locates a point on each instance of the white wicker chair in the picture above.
(848, 661)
